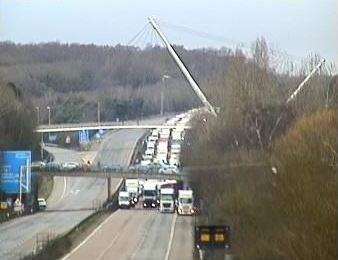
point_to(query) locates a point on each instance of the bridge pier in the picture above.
(109, 187)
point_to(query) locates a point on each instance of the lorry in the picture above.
(124, 200)
(167, 200)
(42, 204)
(132, 187)
(185, 202)
(150, 198)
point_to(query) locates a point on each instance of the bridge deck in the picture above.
(117, 174)
(104, 126)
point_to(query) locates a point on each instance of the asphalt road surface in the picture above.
(138, 234)
(134, 234)
(72, 198)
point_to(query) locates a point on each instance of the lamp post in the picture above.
(164, 77)
(38, 115)
(48, 108)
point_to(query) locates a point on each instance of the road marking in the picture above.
(110, 245)
(93, 232)
(172, 230)
(64, 188)
(87, 238)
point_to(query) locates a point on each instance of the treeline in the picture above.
(123, 78)
(273, 183)
(16, 124)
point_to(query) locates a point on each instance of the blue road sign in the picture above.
(83, 137)
(15, 165)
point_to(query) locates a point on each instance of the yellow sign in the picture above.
(3, 205)
(219, 237)
(205, 237)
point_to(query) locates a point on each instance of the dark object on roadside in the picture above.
(209, 237)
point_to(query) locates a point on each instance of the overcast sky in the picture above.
(298, 27)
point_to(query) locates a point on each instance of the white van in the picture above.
(124, 200)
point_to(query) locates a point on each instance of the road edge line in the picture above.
(92, 233)
(172, 231)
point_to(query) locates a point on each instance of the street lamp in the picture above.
(164, 77)
(48, 108)
(38, 114)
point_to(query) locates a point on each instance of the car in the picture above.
(168, 169)
(53, 166)
(38, 165)
(139, 168)
(145, 162)
(112, 168)
(70, 166)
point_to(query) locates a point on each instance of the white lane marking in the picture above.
(64, 188)
(74, 192)
(87, 238)
(172, 230)
(93, 232)
(110, 245)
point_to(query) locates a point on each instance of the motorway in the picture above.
(71, 201)
(155, 235)
(139, 234)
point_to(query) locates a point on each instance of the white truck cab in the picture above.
(150, 199)
(42, 204)
(132, 187)
(124, 199)
(167, 200)
(185, 202)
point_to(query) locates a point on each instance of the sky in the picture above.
(298, 27)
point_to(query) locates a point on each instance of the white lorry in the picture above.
(133, 188)
(167, 200)
(185, 202)
(124, 200)
(42, 204)
(150, 198)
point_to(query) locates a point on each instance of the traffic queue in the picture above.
(161, 149)
(168, 196)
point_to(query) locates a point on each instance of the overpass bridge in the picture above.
(55, 128)
(127, 174)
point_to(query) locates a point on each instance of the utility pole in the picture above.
(182, 67)
(164, 77)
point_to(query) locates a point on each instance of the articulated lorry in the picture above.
(185, 203)
(150, 198)
(132, 187)
(167, 200)
(124, 200)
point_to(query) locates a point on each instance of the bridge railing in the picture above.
(110, 171)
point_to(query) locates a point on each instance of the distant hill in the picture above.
(54, 74)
